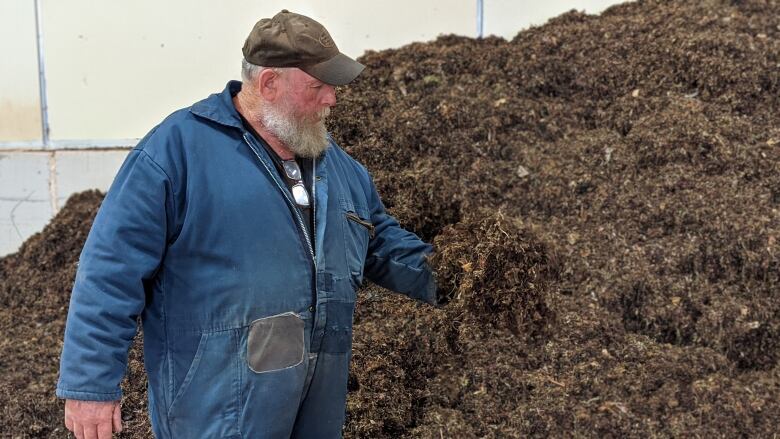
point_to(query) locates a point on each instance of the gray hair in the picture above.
(250, 72)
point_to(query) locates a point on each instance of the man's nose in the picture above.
(328, 95)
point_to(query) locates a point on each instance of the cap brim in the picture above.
(339, 70)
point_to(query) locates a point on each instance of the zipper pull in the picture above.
(355, 218)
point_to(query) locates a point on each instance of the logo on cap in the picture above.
(325, 40)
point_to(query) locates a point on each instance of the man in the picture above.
(239, 232)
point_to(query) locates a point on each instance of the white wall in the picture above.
(19, 103)
(506, 17)
(115, 68)
(124, 75)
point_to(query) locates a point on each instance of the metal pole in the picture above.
(42, 75)
(480, 18)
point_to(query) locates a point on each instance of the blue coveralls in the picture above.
(247, 333)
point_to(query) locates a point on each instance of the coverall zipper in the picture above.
(314, 231)
(289, 201)
(298, 217)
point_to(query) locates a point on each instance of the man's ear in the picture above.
(268, 83)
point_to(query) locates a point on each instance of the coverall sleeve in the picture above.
(119, 259)
(396, 257)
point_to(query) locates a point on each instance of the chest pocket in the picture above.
(358, 230)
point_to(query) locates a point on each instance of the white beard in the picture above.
(305, 138)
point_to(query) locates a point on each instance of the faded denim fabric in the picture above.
(198, 236)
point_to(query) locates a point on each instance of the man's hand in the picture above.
(93, 419)
(443, 297)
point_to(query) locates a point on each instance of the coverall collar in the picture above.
(219, 107)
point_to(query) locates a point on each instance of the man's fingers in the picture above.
(92, 419)
(90, 431)
(78, 430)
(104, 431)
(117, 418)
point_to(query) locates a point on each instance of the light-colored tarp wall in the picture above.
(20, 113)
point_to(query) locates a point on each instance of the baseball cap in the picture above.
(293, 40)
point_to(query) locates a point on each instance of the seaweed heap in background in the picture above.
(604, 196)
(642, 146)
(35, 286)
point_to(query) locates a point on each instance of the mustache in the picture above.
(321, 115)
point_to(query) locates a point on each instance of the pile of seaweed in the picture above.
(603, 193)
(637, 155)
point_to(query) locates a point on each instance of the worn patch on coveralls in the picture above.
(275, 343)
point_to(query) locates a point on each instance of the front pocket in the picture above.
(358, 230)
(207, 402)
(275, 343)
(352, 216)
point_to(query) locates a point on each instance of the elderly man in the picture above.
(239, 232)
